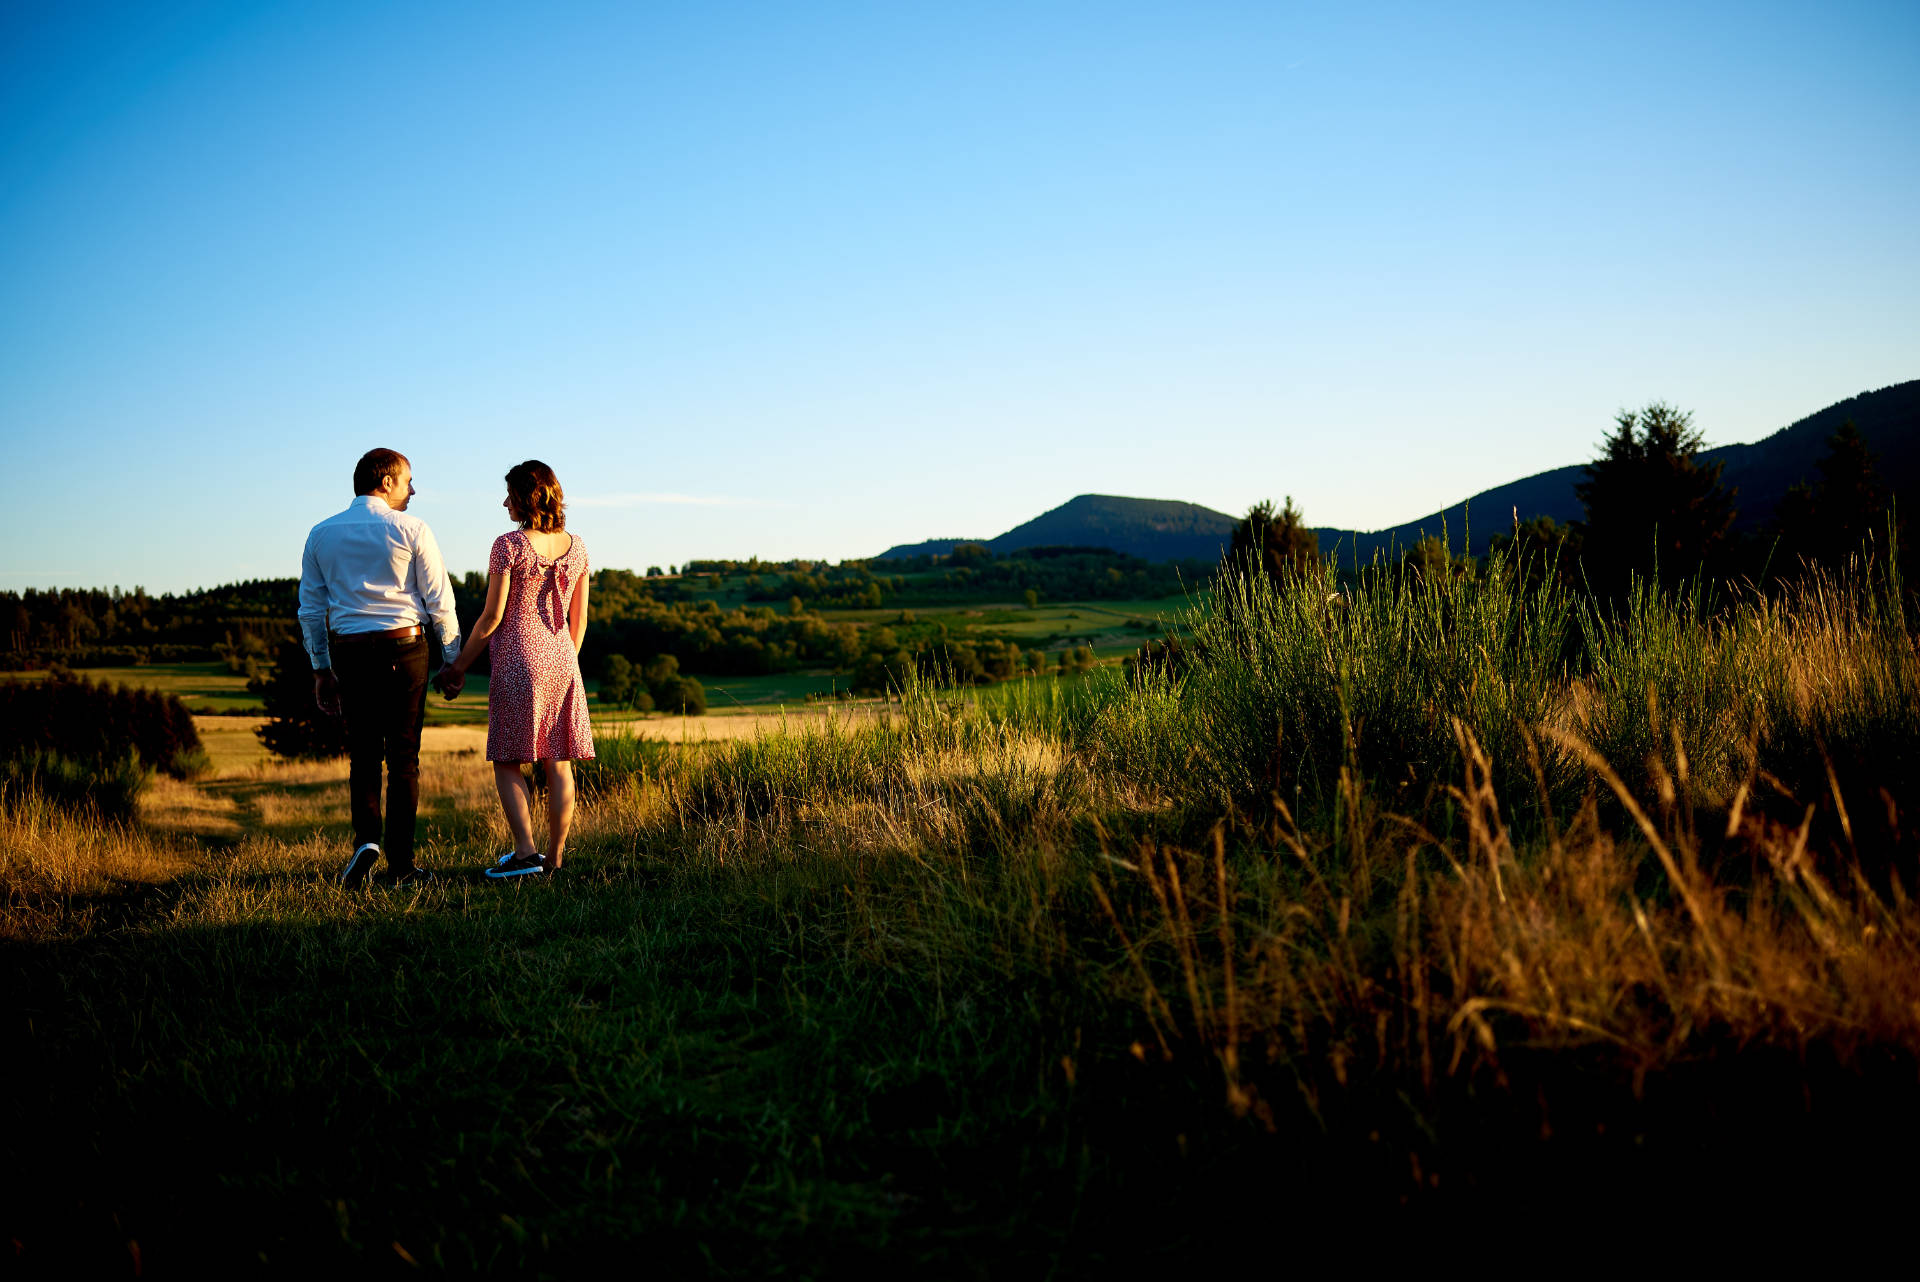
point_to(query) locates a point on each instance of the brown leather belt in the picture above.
(391, 634)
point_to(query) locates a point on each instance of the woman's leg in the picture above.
(559, 809)
(513, 799)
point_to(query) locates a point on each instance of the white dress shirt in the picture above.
(372, 569)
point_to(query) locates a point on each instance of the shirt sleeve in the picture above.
(436, 593)
(313, 607)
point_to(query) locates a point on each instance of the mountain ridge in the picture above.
(1761, 471)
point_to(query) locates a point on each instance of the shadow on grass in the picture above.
(541, 1081)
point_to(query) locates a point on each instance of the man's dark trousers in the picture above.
(383, 696)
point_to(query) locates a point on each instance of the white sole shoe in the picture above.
(359, 866)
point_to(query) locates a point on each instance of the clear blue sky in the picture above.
(812, 279)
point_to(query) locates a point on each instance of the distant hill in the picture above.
(932, 547)
(1166, 529)
(1152, 529)
(1889, 421)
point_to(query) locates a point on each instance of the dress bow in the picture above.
(559, 584)
(562, 592)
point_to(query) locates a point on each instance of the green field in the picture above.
(232, 746)
(1050, 626)
(207, 688)
(1112, 628)
(773, 689)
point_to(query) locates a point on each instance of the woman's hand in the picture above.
(453, 673)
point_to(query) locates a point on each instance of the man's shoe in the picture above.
(518, 866)
(413, 877)
(356, 870)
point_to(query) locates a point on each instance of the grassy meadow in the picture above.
(1430, 915)
(206, 688)
(1114, 629)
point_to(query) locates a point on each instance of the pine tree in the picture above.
(1653, 506)
(1274, 543)
(1837, 517)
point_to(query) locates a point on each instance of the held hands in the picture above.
(449, 681)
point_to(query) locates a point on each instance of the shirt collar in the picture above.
(372, 502)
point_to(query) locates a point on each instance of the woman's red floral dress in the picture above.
(536, 703)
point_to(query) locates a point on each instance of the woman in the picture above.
(535, 617)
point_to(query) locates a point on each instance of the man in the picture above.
(370, 580)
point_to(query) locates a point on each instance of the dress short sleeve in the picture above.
(504, 554)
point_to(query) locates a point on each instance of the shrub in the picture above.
(296, 728)
(192, 764)
(616, 680)
(109, 789)
(682, 695)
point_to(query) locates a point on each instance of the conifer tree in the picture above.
(1654, 507)
(1836, 517)
(1274, 543)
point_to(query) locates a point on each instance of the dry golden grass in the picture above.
(183, 809)
(58, 871)
(1395, 951)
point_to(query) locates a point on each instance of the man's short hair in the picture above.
(374, 467)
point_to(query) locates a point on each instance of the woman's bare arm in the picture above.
(490, 615)
(577, 614)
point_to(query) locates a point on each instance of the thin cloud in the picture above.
(665, 500)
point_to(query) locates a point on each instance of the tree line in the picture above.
(102, 627)
(974, 572)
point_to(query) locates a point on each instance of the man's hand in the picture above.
(449, 682)
(326, 692)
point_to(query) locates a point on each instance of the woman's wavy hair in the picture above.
(534, 497)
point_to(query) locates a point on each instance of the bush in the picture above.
(1077, 659)
(296, 728)
(682, 695)
(616, 680)
(192, 764)
(109, 789)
